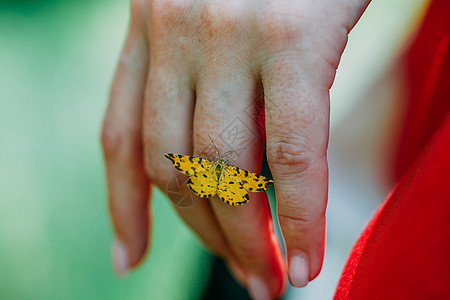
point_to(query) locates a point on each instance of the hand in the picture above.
(188, 70)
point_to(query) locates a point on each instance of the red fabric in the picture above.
(404, 252)
(428, 66)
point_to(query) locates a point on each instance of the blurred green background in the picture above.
(57, 59)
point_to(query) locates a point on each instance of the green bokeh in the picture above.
(56, 63)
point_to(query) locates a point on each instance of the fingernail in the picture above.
(119, 257)
(299, 269)
(258, 289)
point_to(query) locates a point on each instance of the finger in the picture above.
(297, 121)
(128, 185)
(224, 110)
(168, 121)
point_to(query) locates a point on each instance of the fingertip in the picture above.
(258, 289)
(129, 248)
(119, 256)
(305, 248)
(298, 268)
(126, 257)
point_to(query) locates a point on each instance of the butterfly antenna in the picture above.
(226, 154)
(232, 151)
(215, 148)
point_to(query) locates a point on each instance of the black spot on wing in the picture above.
(195, 192)
(170, 157)
(241, 202)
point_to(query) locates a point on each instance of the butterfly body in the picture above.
(209, 178)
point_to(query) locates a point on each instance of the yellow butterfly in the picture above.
(209, 178)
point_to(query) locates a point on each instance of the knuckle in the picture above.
(220, 16)
(120, 140)
(282, 27)
(297, 226)
(297, 221)
(111, 140)
(290, 154)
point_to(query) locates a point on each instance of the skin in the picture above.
(187, 70)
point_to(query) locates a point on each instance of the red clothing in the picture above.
(404, 252)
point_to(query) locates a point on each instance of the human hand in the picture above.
(188, 70)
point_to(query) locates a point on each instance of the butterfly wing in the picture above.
(189, 165)
(204, 184)
(203, 181)
(250, 181)
(230, 190)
